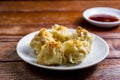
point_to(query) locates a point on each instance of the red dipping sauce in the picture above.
(104, 18)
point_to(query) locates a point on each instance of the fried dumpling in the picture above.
(40, 39)
(75, 50)
(51, 54)
(84, 35)
(61, 33)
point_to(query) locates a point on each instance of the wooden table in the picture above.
(18, 18)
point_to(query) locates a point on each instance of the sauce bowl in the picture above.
(102, 10)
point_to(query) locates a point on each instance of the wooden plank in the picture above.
(39, 17)
(55, 0)
(21, 30)
(10, 38)
(8, 50)
(114, 47)
(109, 69)
(55, 5)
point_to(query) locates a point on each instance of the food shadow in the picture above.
(45, 74)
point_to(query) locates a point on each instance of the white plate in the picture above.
(98, 52)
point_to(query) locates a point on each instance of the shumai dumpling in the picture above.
(51, 54)
(40, 39)
(84, 35)
(75, 50)
(61, 33)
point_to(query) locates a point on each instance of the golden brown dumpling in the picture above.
(75, 50)
(51, 54)
(61, 33)
(84, 35)
(40, 39)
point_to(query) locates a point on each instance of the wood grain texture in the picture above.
(109, 69)
(114, 47)
(39, 17)
(56, 5)
(8, 51)
(9, 38)
(21, 30)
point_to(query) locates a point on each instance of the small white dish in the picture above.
(98, 52)
(102, 10)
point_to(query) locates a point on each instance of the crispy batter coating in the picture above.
(61, 46)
